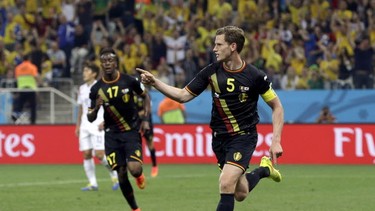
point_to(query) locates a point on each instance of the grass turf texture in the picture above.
(187, 188)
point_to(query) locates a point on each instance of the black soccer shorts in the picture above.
(122, 147)
(236, 150)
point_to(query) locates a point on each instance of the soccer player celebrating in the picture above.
(91, 135)
(235, 88)
(123, 147)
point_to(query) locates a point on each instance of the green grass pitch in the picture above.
(187, 188)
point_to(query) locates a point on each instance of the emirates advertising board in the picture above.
(191, 144)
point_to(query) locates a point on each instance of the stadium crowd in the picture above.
(300, 44)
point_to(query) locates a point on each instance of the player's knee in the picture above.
(240, 196)
(87, 155)
(136, 172)
(99, 155)
(226, 186)
(135, 168)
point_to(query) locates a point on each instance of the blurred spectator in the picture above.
(302, 82)
(3, 58)
(179, 78)
(27, 77)
(99, 37)
(50, 9)
(289, 80)
(171, 112)
(296, 56)
(68, 10)
(46, 74)
(326, 116)
(36, 54)
(80, 48)
(165, 72)
(58, 59)
(345, 79)
(138, 49)
(274, 77)
(65, 33)
(190, 65)
(9, 81)
(101, 8)
(175, 47)
(12, 32)
(280, 35)
(84, 14)
(329, 65)
(128, 62)
(315, 81)
(363, 72)
(158, 49)
(3, 19)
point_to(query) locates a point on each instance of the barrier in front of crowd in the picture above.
(191, 143)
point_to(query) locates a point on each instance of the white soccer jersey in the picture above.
(84, 100)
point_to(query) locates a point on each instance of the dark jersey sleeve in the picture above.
(262, 81)
(139, 88)
(201, 80)
(93, 95)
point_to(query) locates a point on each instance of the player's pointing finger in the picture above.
(140, 70)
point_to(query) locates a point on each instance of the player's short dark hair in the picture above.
(233, 34)
(93, 67)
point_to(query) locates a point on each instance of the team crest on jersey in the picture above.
(124, 91)
(237, 156)
(244, 88)
(243, 97)
(138, 153)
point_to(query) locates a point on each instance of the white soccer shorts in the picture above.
(91, 140)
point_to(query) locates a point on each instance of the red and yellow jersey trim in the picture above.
(113, 81)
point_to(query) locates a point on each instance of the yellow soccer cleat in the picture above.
(274, 173)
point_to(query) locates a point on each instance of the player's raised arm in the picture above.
(177, 94)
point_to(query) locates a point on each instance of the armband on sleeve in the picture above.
(269, 95)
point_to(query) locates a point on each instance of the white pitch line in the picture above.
(25, 184)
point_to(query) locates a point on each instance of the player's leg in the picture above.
(86, 147)
(134, 157)
(126, 187)
(116, 157)
(265, 170)
(248, 181)
(99, 153)
(233, 156)
(149, 136)
(227, 185)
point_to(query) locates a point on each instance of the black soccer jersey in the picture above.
(139, 101)
(235, 95)
(120, 110)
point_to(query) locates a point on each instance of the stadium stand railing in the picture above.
(54, 106)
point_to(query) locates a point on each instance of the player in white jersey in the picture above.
(91, 135)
